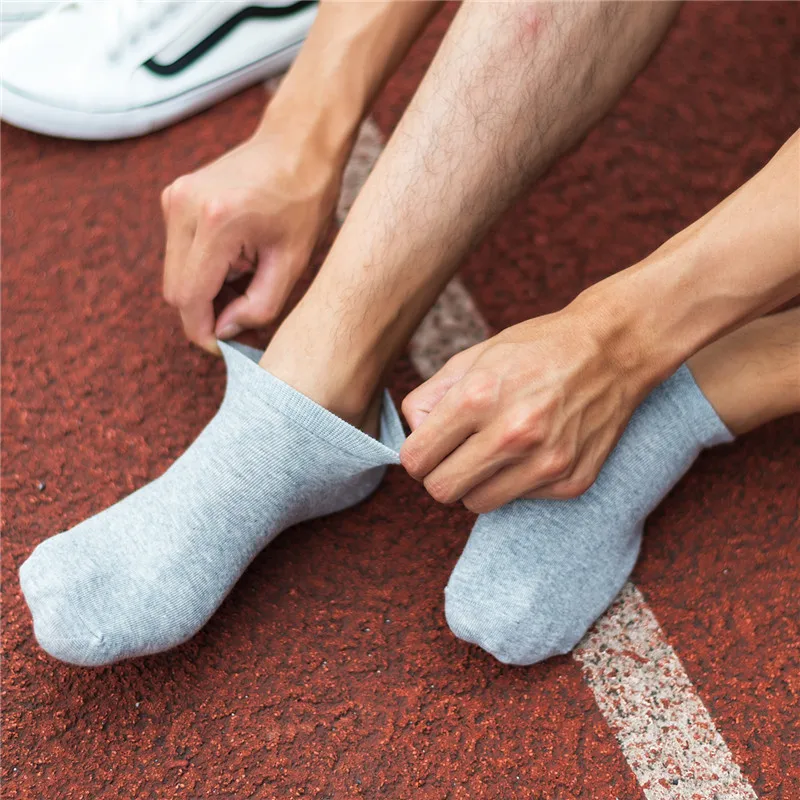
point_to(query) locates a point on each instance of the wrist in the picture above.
(328, 123)
(626, 329)
(662, 310)
(324, 97)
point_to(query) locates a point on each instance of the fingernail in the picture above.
(229, 331)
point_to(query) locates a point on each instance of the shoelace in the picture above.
(130, 19)
(126, 20)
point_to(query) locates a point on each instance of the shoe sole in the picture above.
(38, 116)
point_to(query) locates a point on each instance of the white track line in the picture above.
(665, 732)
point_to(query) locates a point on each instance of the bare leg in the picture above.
(512, 86)
(752, 375)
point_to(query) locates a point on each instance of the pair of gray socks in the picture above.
(147, 573)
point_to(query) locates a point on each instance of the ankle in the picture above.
(354, 399)
(752, 375)
(342, 372)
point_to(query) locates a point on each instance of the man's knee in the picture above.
(518, 631)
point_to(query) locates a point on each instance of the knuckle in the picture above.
(582, 484)
(479, 391)
(408, 406)
(179, 191)
(521, 429)
(262, 311)
(572, 487)
(455, 361)
(557, 463)
(214, 211)
(477, 504)
(439, 491)
(180, 296)
(165, 198)
(266, 315)
(411, 462)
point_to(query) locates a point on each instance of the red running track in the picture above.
(329, 671)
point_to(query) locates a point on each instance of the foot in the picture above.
(535, 574)
(147, 573)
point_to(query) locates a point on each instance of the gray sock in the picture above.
(535, 574)
(147, 573)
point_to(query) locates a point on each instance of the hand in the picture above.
(532, 412)
(261, 208)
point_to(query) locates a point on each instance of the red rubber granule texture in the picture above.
(329, 671)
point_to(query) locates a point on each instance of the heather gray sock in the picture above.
(535, 574)
(147, 573)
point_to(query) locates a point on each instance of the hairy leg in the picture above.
(512, 86)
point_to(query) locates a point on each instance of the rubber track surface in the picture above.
(329, 671)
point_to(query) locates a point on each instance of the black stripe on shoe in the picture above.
(216, 36)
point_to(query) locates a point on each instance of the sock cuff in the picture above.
(700, 417)
(244, 375)
(392, 433)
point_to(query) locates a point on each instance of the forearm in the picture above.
(738, 262)
(351, 50)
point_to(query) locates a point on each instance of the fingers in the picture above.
(202, 247)
(182, 289)
(420, 402)
(501, 463)
(455, 417)
(180, 227)
(194, 275)
(201, 278)
(473, 463)
(266, 294)
(565, 489)
(543, 474)
(197, 321)
(207, 243)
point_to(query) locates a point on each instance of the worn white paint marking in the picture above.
(665, 732)
(366, 150)
(452, 325)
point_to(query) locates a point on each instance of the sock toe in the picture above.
(59, 630)
(476, 624)
(513, 635)
(74, 644)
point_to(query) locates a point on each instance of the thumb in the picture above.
(420, 402)
(264, 298)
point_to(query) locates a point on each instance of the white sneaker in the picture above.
(15, 13)
(108, 69)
